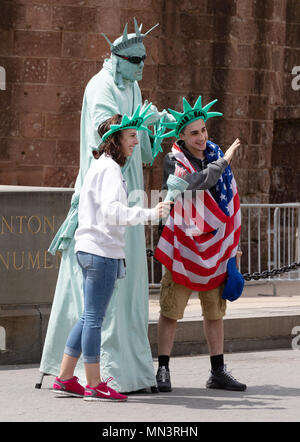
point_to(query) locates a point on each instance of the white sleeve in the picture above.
(113, 202)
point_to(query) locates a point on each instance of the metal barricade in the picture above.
(270, 239)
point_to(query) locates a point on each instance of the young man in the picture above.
(199, 262)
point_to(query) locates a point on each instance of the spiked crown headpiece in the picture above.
(189, 115)
(135, 122)
(128, 41)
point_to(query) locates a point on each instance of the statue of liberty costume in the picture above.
(125, 349)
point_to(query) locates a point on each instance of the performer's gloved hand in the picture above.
(154, 118)
(168, 118)
(157, 115)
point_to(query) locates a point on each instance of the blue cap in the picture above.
(235, 282)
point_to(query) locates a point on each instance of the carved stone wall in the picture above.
(240, 51)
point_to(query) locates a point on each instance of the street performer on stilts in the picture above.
(125, 350)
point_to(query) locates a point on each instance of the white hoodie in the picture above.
(103, 211)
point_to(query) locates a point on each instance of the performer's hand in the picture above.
(163, 209)
(155, 117)
(168, 118)
(230, 152)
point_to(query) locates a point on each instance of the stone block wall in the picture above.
(50, 50)
(29, 219)
(240, 51)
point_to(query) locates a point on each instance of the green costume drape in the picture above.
(125, 350)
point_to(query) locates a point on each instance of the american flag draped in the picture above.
(202, 235)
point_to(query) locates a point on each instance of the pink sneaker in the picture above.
(103, 393)
(71, 387)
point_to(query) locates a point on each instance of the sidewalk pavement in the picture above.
(272, 376)
(273, 394)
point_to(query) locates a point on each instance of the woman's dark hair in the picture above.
(112, 145)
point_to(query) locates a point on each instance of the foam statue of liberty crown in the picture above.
(189, 115)
(135, 122)
(128, 40)
(126, 45)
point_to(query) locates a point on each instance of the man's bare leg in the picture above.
(166, 334)
(214, 333)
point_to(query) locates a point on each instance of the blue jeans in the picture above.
(99, 276)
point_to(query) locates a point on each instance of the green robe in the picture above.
(125, 349)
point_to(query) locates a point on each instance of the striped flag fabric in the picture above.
(201, 233)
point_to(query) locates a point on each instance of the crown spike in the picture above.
(198, 104)
(136, 28)
(148, 116)
(146, 109)
(171, 125)
(169, 134)
(186, 105)
(125, 120)
(125, 33)
(137, 112)
(175, 114)
(148, 32)
(108, 41)
(145, 128)
(209, 105)
(214, 114)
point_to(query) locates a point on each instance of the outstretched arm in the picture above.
(203, 180)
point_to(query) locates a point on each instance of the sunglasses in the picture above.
(134, 60)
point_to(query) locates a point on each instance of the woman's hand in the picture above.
(230, 152)
(162, 209)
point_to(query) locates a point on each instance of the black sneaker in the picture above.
(222, 379)
(163, 379)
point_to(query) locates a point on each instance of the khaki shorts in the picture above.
(174, 298)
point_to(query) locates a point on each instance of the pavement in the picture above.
(267, 325)
(273, 395)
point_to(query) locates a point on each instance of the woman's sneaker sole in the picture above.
(66, 393)
(96, 399)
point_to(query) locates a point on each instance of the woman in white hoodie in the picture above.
(102, 216)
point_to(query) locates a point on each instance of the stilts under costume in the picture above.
(196, 249)
(125, 351)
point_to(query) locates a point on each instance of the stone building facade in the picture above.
(243, 52)
(240, 51)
